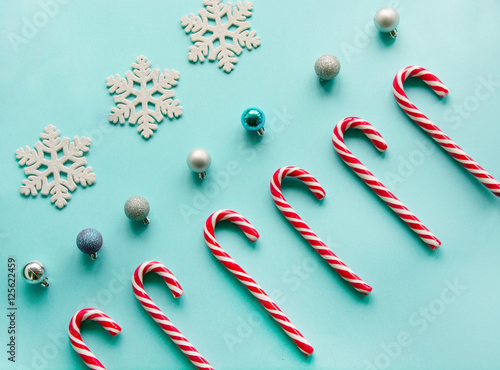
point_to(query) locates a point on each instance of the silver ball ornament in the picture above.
(34, 273)
(199, 161)
(327, 67)
(137, 209)
(386, 20)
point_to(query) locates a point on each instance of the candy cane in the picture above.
(244, 278)
(304, 230)
(158, 316)
(76, 339)
(428, 126)
(390, 199)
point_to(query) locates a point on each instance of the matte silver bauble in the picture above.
(199, 161)
(386, 20)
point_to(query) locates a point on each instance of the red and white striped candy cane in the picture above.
(158, 316)
(76, 339)
(244, 278)
(389, 198)
(345, 272)
(428, 126)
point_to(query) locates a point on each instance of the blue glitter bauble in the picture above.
(253, 119)
(89, 241)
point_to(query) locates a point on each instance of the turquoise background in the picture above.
(412, 319)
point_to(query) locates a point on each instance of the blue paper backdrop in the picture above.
(428, 309)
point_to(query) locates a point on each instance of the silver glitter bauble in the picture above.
(34, 273)
(327, 67)
(199, 161)
(386, 20)
(137, 209)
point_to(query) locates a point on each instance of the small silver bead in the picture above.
(137, 209)
(327, 67)
(386, 20)
(34, 273)
(199, 161)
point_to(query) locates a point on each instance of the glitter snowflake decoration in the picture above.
(138, 91)
(43, 163)
(210, 27)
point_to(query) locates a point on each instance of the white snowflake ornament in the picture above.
(138, 91)
(211, 26)
(43, 162)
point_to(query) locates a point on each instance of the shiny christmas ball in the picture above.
(34, 273)
(253, 119)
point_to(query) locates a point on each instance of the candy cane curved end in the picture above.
(419, 72)
(76, 339)
(360, 124)
(371, 181)
(244, 278)
(160, 269)
(300, 174)
(288, 212)
(226, 214)
(158, 316)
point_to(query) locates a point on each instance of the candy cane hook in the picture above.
(76, 339)
(389, 198)
(304, 230)
(428, 126)
(244, 278)
(158, 316)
